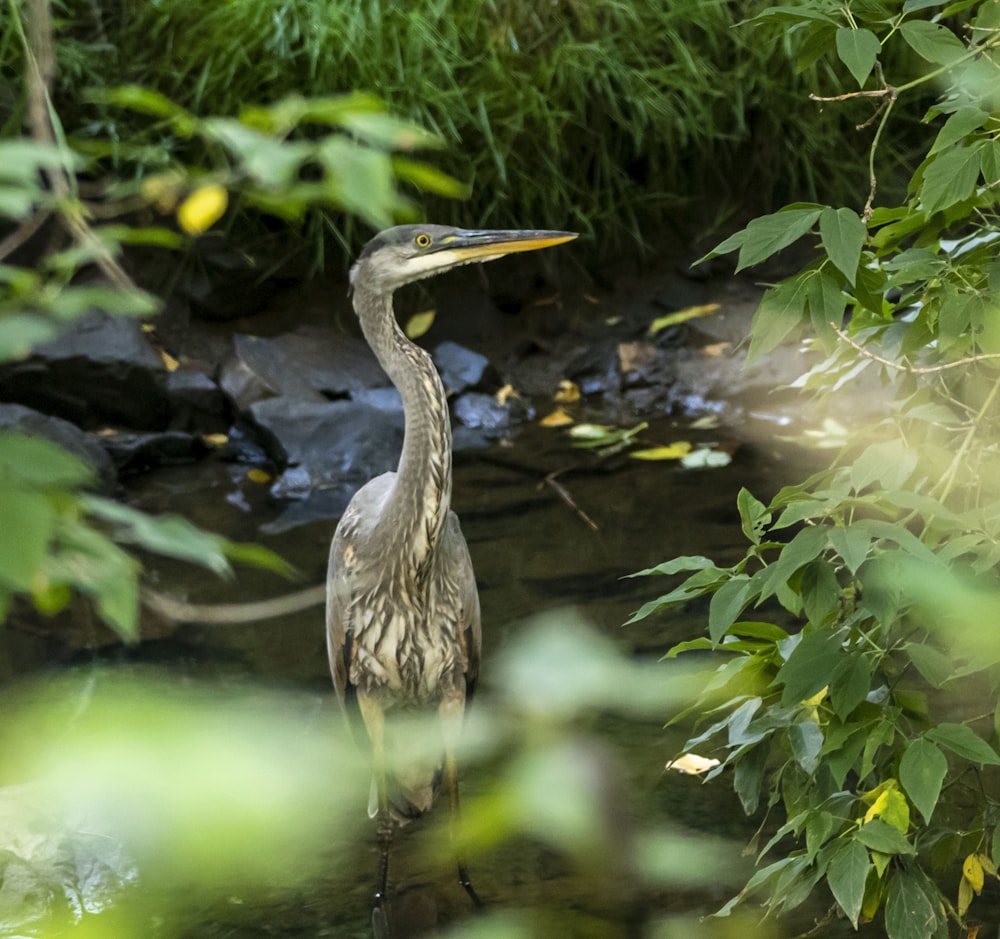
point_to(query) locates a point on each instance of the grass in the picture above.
(612, 118)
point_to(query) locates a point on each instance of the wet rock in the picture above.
(66, 435)
(138, 453)
(482, 412)
(54, 869)
(329, 448)
(197, 403)
(102, 370)
(312, 362)
(462, 369)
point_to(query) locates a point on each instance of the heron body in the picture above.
(403, 624)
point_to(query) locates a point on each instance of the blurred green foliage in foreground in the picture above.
(137, 802)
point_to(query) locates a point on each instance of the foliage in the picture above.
(55, 535)
(604, 118)
(857, 627)
(211, 797)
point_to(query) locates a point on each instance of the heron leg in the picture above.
(451, 718)
(374, 718)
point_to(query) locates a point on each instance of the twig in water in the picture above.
(560, 491)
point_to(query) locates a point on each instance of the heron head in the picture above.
(406, 253)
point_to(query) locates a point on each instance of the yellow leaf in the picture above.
(817, 698)
(877, 806)
(419, 323)
(506, 393)
(972, 871)
(258, 476)
(964, 897)
(988, 866)
(635, 355)
(716, 349)
(558, 418)
(681, 316)
(692, 764)
(169, 361)
(214, 440)
(202, 209)
(675, 451)
(567, 393)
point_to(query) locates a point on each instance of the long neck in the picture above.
(418, 506)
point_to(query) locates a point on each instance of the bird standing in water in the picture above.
(402, 609)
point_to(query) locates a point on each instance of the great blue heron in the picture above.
(402, 609)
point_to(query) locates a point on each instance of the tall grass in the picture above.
(608, 117)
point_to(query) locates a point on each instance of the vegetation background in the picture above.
(868, 593)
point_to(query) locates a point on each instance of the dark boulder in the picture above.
(102, 370)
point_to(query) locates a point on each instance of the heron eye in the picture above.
(422, 240)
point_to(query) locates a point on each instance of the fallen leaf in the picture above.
(419, 323)
(708, 422)
(258, 476)
(692, 764)
(558, 418)
(215, 440)
(674, 451)
(202, 209)
(504, 394)
(635, 355)
(681, 316)
(706, 458)
(590, 431)
(567, 392)
(715, 349)
(169, 361)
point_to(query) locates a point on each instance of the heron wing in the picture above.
(459, 562)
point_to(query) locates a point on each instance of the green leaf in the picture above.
(852, 544)
(27, 524)
(881, 836)
(748, 777)
(935, 667)
(821, 594)
(964, 741)
(754, 516)
(921, 773)
(909, 912)
(806, 740)
(959, 125)
(932, 42)
(807, 670)
(849, 684)
(685, 562)
(770, 233)
(843, 234)
(826, 304)
(989, 161)
(949, 178)
(846, 876)
(429, 178)
(806, 546)
(782, 309)
(40, 464)
(170, 534)
(727, 603)
(858, 49)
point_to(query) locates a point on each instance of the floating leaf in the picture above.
(419, 323)
(202, 209)
(568, 392)
(558, 418)
(706, 458)
(257, 475)
(681, 316)
(674, 451)
(505, 393)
